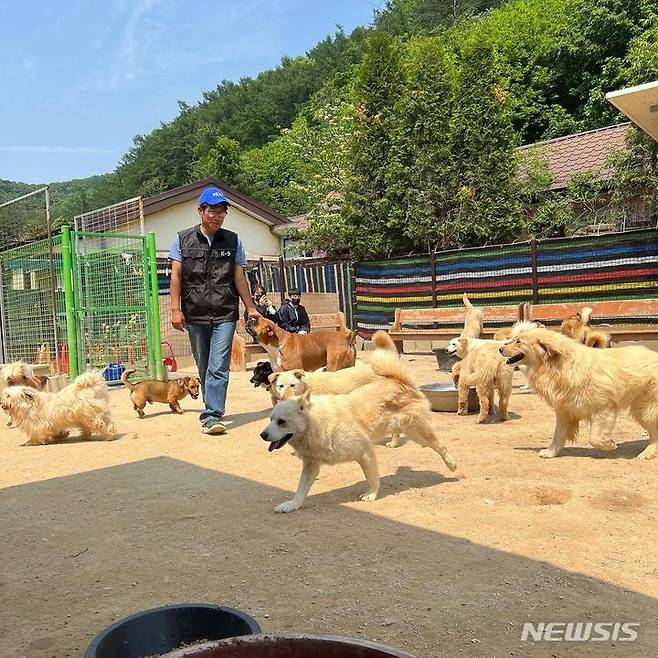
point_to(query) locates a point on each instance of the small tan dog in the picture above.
(330, 429)
(577, 327)
(154, 390)
(45, 417)
(581, 383)
(483, 367)
(294, 383)
(473, 324)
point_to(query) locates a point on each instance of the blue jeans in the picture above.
(211, 347)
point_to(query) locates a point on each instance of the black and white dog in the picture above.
(261, 376)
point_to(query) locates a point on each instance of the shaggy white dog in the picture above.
(44, 417)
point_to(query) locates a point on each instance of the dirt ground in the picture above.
(441, 565)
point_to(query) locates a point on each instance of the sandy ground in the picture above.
(441, 565)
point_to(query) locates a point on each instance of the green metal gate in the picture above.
(110, 287)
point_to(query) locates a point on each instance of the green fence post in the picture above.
(71, 330)
(153, 267)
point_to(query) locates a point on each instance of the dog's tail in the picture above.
(387, 363)
(89, 380)
(598, 339)
(383, 341)
(467, 301)
(124, 378)
(586, 314)
(340, 321)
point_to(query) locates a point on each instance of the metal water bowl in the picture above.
(443, 397)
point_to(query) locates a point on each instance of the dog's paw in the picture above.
(607, 446)
(547, 453)
(288, 506)
(462, 412)
(395, 443)
(368, 496)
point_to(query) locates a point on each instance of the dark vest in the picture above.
(208, 293)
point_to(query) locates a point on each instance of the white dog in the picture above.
(44, 417)
(329, 429)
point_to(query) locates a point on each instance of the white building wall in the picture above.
(256, 236)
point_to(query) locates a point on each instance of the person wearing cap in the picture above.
(293, 316)
(207, 281)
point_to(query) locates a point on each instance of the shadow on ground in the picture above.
(81, 551)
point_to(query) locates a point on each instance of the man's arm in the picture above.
(304, 322)
(175, 284)
(241, 285)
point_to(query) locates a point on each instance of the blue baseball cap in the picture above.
(212, 196)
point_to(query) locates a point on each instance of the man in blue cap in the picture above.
(207, 276)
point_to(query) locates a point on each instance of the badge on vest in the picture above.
(223, 253)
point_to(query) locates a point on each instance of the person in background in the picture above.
(207, 276)
(293, 316)
(263, 305)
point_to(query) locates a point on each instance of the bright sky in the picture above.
(79, 79)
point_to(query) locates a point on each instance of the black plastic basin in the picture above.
(159, 630)
(289, 646)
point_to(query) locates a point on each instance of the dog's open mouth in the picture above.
(275, 445)
(515, 358)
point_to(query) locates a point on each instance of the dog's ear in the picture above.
(41, 381)
(186, 381)
(550, 351)
(305, 401)
(272, 378)
(11, 381)
(28, 395)
(270, 332)
(463, 344)
(299, 374)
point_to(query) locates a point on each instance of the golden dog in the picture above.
(294, 383)
(333, 349)
(45, 417)
(577, 327)
(329, 429)
(154, 390)
(582, 383)
(483, 367)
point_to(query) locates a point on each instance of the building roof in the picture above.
(243, 201)
(299, 222)
(576, 154)
(640, 105)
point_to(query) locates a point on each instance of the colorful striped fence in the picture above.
(583, 269)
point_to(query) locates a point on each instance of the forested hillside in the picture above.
(405, 130)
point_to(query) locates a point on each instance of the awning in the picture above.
(640, 105)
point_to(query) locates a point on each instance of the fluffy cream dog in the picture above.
(483, 367)
(44, 417)
(577, 327)
(20, 374)
(582, 383)
(293, 383)
(329, 429)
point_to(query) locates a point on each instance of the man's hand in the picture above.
(252, 313)
(178, 320)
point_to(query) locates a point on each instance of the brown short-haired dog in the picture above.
(154, 390)
(333, 349)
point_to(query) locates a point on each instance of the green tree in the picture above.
(367, 201)
(420, 174)
(483, 149)
(215, 155)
